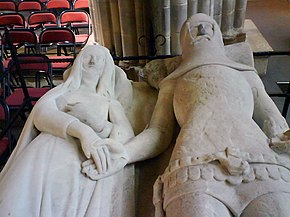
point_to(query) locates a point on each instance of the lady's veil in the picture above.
(72, 81)
(106, 84)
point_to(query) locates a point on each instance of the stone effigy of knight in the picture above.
(230, 156)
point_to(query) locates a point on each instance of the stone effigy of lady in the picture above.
(70, 156)
(223, 162)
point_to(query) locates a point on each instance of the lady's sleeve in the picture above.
(48, 118)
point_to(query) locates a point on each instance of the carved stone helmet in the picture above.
(194, 28)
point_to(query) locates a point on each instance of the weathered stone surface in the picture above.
(232, 165)
(70, 157)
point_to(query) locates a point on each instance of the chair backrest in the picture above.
(20, 35)
(57, 6)
(74, 16)
(12, 19)
(15, 66)
(8, 5)
(56, 35)
(29, 5)
(32, 65)
(75, 19)
(81, 4)
(20, 38)
(41, 17)
(59, 37)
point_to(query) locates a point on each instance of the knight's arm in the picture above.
(121, 130)
(266, 113)
(157, 136)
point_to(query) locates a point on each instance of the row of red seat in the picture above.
(14, 92)
(49, 18)
(52, 37)
(64, 33)
(73, 19)
(43, 5)
(58, 43)
(17, 97)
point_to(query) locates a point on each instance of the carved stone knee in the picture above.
(197, 205)
(272, 204)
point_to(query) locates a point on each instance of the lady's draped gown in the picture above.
(43, 178)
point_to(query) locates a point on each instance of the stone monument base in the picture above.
(258, 44)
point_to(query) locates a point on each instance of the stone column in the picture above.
(228, 13)
(128, 27)
(119, 24)
(161, 26)
(140, 25)
(204, 6)
(178, 16)
(96, 21)
(105, 21)
(166, 27)
(116, 29)
(218, 11)
(240, 14)
(192, 7)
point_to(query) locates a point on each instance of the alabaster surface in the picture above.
(71, 157)
(231, 145)
(156, 70)
(231, 155)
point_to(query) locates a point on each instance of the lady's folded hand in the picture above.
(107, 158)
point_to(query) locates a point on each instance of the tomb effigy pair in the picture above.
(75, 155)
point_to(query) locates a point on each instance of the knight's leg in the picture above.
(272, 204)
(197, 205)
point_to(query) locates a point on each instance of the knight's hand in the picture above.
(234, 162)
(107, 158)
(281, 143)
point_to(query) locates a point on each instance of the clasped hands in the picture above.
(105, 157)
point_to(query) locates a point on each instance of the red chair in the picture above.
(21, 38)
(81, 4)
(20, 35)
(76, 20)
(57, 6)
(41, 19)
(32, 66)
(22, 98)
(29, 5)
(12, 19)
(63, 41)
(6, 137)
(8, 5)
